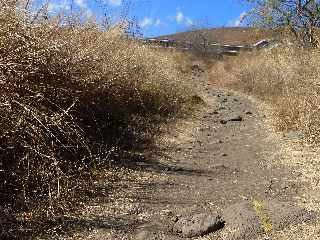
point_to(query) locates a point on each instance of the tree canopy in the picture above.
(301, 17)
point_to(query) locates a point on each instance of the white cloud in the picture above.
(188, 21)
(239, 20)
(81, 3)
(113, 2)
(179, 17)
(158, 22)
(84, 6)
(59, 6)
(146, 22)
(182, 19)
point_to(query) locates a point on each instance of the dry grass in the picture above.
(286, 78)
(73, 97)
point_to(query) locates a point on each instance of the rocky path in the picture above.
(214, 177)
(222, 162)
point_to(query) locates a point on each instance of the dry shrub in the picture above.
(287, 78)
(184, 60)
(72, 97)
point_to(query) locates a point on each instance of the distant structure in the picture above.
(216, 48)
(165, 43)
(261, 44)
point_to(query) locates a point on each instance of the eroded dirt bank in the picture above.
(225, 155)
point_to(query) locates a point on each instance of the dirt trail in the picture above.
(218, 158)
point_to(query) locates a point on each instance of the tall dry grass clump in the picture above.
(72, 97)
(287, 78)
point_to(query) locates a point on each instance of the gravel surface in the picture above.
(226, 155)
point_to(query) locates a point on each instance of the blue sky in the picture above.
(160, 17)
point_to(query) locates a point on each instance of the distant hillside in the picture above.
(234, 35)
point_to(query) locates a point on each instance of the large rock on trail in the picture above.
(198, 225)
(247, 220)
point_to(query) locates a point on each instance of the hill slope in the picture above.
(232, 35)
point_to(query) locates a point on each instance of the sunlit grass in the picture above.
(286, 78)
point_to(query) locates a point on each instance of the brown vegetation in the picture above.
(73, 98)
(286, 78)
